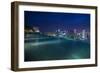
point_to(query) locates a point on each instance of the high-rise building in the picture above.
(84, 36)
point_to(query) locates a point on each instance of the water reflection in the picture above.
(53, 48)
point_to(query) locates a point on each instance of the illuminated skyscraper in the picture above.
(84, 35)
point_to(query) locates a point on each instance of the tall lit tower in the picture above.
(83, 34)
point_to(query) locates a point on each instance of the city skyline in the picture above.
(52, 21)
(56, 36)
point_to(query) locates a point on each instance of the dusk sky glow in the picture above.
(51, 21)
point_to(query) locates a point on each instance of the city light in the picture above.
(74, 34)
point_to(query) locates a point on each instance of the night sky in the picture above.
(51, 21)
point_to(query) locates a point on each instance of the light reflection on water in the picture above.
(27, 45)
(47, 48)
